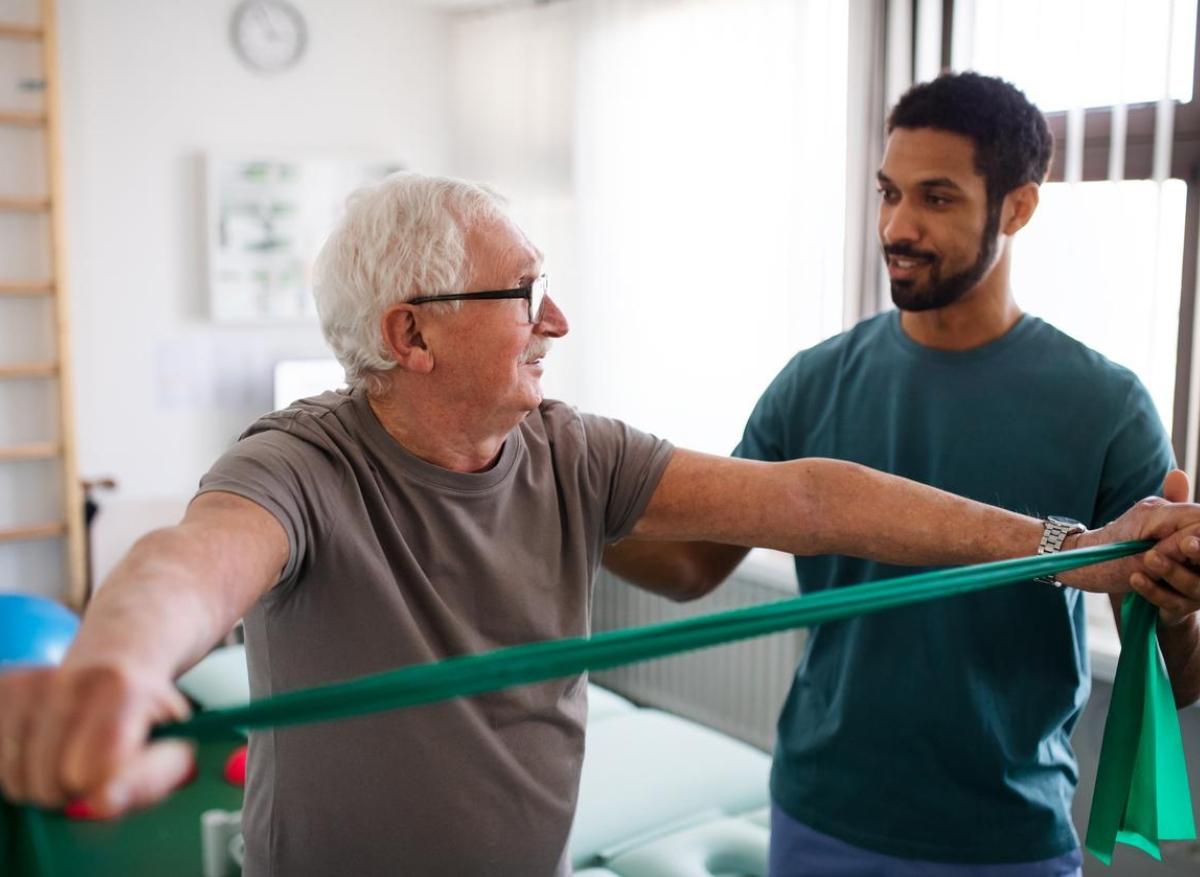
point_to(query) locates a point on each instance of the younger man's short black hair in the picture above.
(1013, 143)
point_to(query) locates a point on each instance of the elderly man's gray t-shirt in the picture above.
(394, 561)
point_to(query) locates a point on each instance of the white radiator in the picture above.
(736, 688)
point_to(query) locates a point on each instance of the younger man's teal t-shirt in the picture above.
(940, 731)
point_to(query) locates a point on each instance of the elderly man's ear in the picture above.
(402, 336)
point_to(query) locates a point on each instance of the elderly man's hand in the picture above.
(80, 733)
(1167, 575)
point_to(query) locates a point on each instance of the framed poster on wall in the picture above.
(267, 219)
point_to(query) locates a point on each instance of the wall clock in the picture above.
(268, 35)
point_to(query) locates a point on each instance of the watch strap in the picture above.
(1055, 531)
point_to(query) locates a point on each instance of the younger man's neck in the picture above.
(981, 316)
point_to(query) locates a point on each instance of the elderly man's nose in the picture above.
(553, 321)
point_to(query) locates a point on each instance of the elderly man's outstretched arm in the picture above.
(715, 507)
(83, 727)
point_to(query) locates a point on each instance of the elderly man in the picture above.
(439, 507)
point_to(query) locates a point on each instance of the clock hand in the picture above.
(265, 15)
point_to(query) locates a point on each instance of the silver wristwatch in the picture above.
(1055, 531)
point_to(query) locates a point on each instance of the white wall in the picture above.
(148, 88)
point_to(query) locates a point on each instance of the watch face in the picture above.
(1068, 522)
(269, 35)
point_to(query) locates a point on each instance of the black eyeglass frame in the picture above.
(525, 292)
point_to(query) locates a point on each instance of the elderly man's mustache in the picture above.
(537, 350)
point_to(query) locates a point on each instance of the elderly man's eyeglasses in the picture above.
(534, 295)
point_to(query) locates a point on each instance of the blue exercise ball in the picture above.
(34, 631)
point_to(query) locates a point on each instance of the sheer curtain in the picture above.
(683, 164)
(710, 161)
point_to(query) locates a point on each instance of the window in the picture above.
(1086, 53)
(1116, 80)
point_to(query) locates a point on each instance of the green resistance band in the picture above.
(537, 662)
(1135, 766)
(1141, 795)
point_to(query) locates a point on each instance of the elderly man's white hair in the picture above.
(400, 238)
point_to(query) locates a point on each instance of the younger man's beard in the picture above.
(940, 291)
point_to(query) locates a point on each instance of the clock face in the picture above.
(268, 35)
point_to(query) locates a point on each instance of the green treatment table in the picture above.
(162, 841)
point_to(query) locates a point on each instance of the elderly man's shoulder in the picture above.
(322, 412)
(298, 450)
(568, 428)
(318, 423)
(556, 418)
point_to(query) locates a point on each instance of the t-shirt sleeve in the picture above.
(286, 476)
(764, 437)
(625, 466)
(1138, 457)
